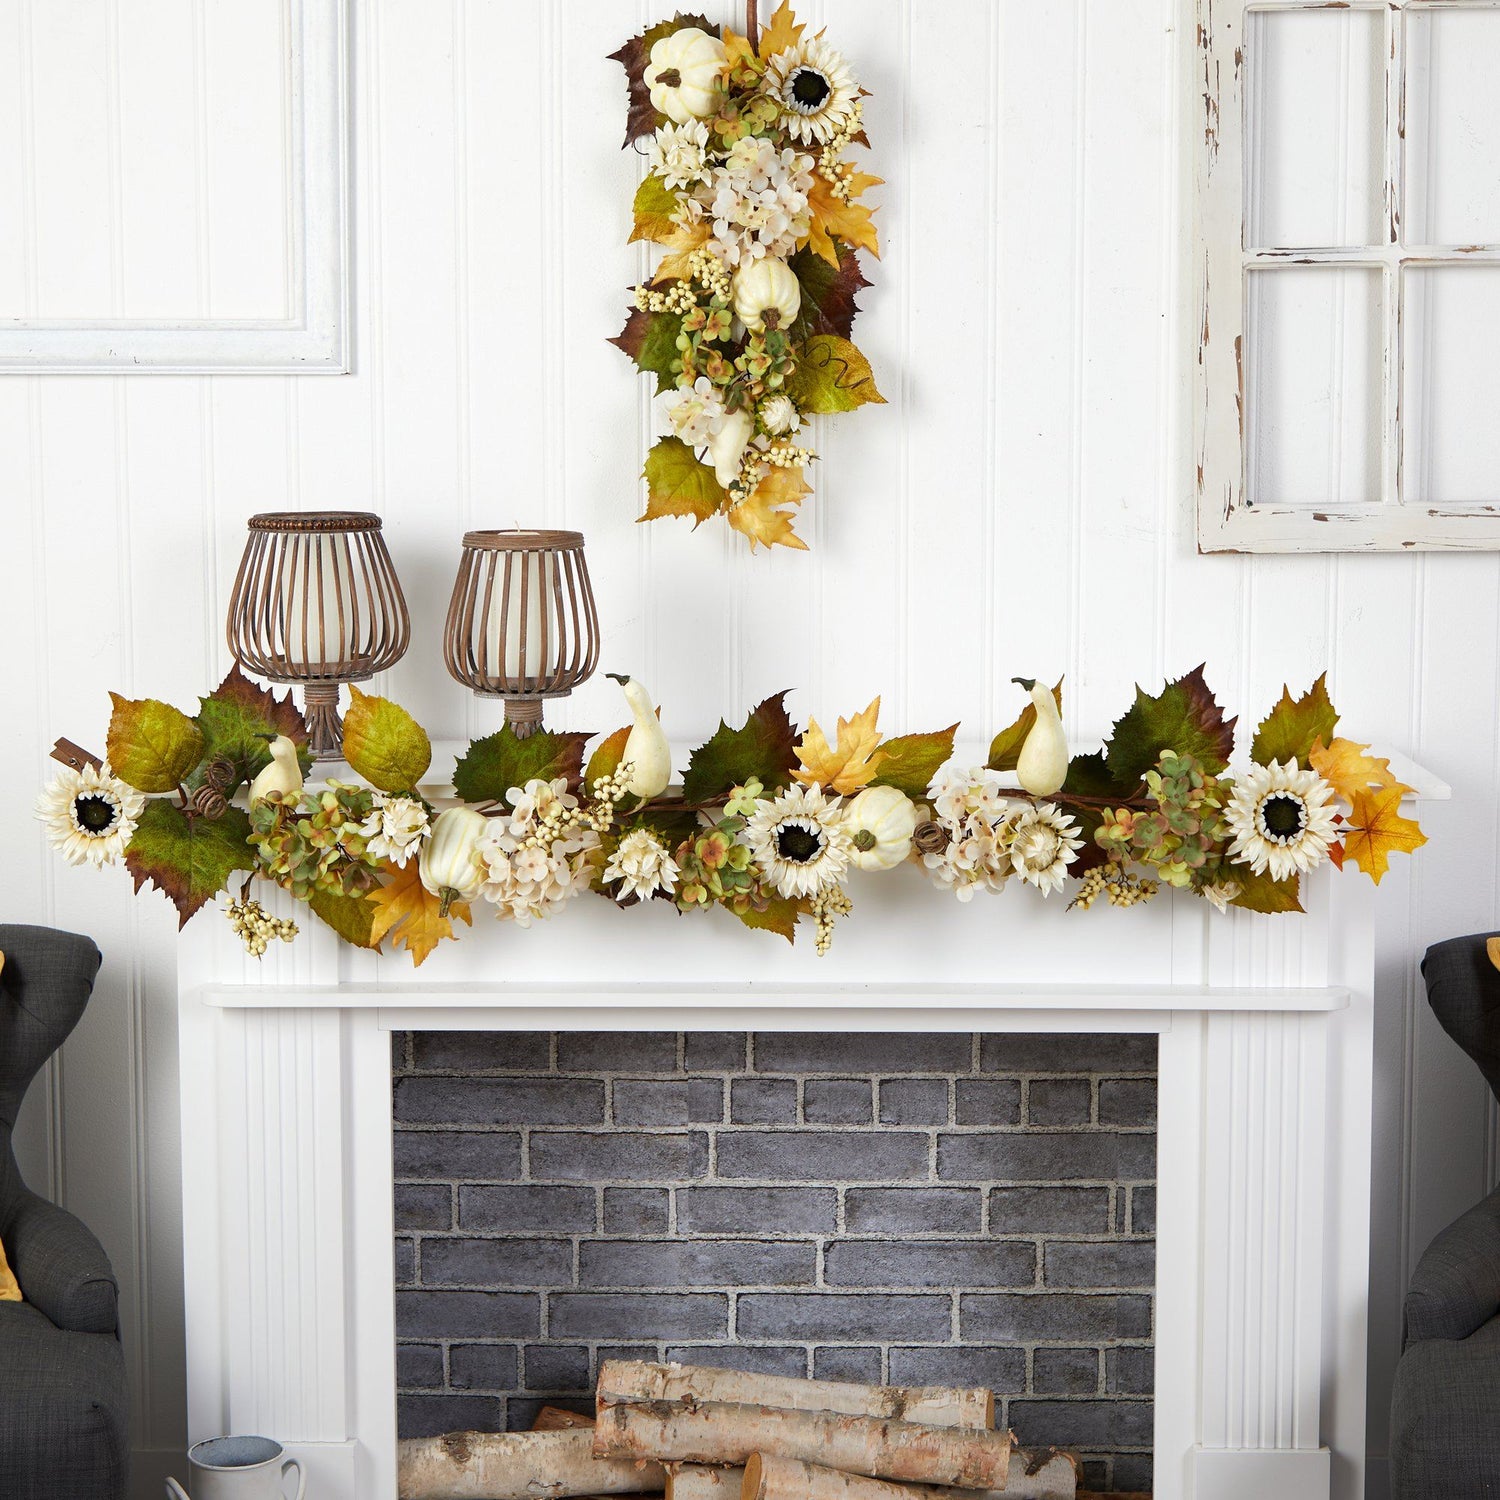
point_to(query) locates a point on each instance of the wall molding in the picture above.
(317, 338)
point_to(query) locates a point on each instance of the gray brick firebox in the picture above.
(918, 1209)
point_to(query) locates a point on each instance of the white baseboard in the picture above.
(1254, 1473)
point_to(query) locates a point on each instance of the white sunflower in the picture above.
(799, 841)
(642, 866)
(89, 815)
(1043, 845)
(1283, 819)
(814, 88)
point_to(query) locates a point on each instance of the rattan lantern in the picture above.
(316, 602)
(522, 624)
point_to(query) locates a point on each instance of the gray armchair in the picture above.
(64, 1414)
(1445, 1407)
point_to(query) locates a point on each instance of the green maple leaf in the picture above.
(831, 376)
(650, 339)
(150, 744)
(1295, 725)
(780, 915)
(1183, 717)
(912, 760)
(384, 744)
(764, 746)
(828, 293)
(189, 860)
(491, 766)
(235, 720)
(655, 203)
(349, 916)
(605, 760)
(1261, 893)
(677, 484)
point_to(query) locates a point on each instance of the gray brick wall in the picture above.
(932, 1209)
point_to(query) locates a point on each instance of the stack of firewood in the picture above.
(692, 1433)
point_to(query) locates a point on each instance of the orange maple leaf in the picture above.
(759, 515)
(783, 33)
(411, 911)
(1346, 767)
(846, 767)
(1377, 830)
(831, 216)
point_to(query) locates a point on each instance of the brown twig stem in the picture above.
(752, 24)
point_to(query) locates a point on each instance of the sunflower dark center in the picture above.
(1284, 817)
(809, 87)
(798, 845)
(94, 813)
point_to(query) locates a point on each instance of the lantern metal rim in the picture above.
(523, 540)
(315, 521)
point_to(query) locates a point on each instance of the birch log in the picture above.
(937, 1406)
(702, 1482)
(1045, 1475)
(517, 1466)
(717, 1432)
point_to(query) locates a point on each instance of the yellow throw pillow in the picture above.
(10, 1290)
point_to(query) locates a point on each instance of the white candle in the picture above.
(532, 575)
(316, 575)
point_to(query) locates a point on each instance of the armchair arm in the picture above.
(1456, 1287)
(63, 1270)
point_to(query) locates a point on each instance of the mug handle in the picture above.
(292, 1463)
(176, 1492)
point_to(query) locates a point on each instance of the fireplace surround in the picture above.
(896, 1208)
(1263, 1029)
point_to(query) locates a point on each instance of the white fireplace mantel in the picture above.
(1265, 1030)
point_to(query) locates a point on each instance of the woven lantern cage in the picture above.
(316, 602)
(522, 625)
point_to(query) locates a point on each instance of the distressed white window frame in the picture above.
(1227, 520)
(315, 340)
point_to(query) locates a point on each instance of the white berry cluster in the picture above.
(831, 163)
(705, 271)
(1113, 883)
(827, 905)
(255, 927)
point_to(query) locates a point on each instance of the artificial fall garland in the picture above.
(770, 822)
(746, 322)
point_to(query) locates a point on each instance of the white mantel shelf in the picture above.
(1264, 1026)
(756, 999)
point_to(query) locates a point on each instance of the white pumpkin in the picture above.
(449, 863)
(767, 294)
(727, 446)
(880, 821)
(681, 75)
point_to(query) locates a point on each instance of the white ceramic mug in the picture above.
(237, 1468)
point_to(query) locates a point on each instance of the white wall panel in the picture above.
(1021, 506)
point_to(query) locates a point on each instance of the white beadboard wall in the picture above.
(1022, 506)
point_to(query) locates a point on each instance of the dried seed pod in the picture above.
(930, 838)
(208, 802)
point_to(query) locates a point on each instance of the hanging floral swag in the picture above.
(746, 322)
(770, 822)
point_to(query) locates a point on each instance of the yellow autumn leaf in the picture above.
(410, 911)
(738, 53)
(1377, 830)
(831, 216)
(676, 266)
(760, 515)
(849, 764)
(783, 33)
(1346, 767)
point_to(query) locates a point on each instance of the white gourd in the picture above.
(282, 773)
(449, 864)
(767, 294)
(881, 821)
(727, 446)
(681, 75)
(646, 747)
(1043, 763)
